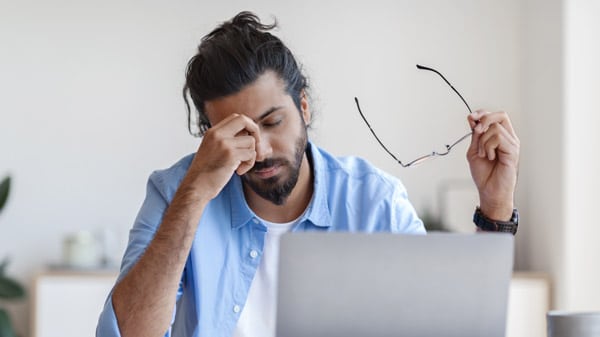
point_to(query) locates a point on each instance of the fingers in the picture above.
(493, 135)
(230, 145)
(491, 141)
(245, 153)
(236, 125)
(481, 120)
(247, 159)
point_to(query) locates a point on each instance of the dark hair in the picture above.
(233, 56)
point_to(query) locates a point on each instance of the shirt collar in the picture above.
(317, 212)
(240, 211)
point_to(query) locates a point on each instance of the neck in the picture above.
(294, 205)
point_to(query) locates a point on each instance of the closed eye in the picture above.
(271, 124)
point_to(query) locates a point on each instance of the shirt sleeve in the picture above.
(143, 231)
(404, 216)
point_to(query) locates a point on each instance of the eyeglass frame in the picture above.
(433, 154)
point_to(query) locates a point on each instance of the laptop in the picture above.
(380, 285)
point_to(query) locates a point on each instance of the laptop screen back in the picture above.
(376, 285)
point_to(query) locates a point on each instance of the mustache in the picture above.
(268, 163)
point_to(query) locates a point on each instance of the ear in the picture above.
(304, 107)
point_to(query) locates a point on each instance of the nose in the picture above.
(263, 149)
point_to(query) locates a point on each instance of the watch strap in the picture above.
(489, 225)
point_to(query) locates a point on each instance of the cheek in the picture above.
(284, 142)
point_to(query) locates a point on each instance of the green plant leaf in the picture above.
(432, 222)
(4, 265)
(4, 189)
(10, 289)
(6, 329)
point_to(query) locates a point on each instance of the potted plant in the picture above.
(9, 288)
(432, 222)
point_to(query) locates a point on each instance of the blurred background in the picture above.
(90, 105)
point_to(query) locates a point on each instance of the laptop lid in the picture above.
(378, 285)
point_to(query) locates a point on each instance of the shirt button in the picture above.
(255, 220)
(253, 254)
(236, 308)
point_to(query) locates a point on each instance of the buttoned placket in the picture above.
(250, 260)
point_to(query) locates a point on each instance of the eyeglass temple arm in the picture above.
(375, 135)
(445, 80)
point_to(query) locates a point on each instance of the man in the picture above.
(202, 255)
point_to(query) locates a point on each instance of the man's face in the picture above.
(282, 132)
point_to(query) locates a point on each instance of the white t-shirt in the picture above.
(258, 317)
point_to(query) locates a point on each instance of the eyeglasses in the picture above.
(431, 155)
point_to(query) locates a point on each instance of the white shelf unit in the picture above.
(528, 302)
(67, 303)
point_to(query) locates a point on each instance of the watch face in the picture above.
(515, 216)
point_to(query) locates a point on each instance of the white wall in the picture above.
(582, 165)
(541, 180)
(90, 98)
(559, 180)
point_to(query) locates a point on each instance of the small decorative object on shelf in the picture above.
(80, 250)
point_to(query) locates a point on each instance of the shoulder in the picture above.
(360, 196)
(363, 197)
(166, 181)
(354, 171)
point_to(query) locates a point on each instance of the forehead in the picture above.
(253, 100)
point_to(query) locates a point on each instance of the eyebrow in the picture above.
(267, 113)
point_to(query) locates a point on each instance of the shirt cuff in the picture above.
(107, 323)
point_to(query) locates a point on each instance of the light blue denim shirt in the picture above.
(349, 195)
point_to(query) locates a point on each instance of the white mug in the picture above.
(80, 250)
(573, 324)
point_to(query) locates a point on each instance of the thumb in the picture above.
(475, 136)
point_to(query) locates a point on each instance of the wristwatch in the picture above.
(490, 225)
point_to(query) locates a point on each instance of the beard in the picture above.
(276, 189)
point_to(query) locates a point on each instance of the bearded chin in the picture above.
(272, 189)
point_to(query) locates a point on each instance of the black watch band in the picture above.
(489, 225)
